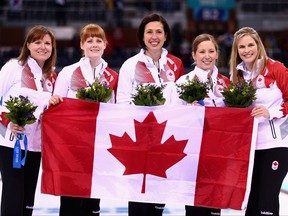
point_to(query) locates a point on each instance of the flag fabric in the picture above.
(190, 155)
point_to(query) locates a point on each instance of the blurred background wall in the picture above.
(120, 19)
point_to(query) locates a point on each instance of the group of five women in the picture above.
(32, 74)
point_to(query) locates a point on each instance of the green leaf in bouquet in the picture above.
(148, 95)
(20, 110)
(239, 95)
(192, 90)
(96, 92)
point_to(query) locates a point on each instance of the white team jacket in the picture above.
(11, 83)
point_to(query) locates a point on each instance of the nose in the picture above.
(94, 44)
(154, 34)
(42, 45)
(246, 49)
(207, 55)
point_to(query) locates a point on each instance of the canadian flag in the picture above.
(169, 154)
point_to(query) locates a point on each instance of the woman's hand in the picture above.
(55, 99)
(196, 103)
(260, 111)
(16, 129)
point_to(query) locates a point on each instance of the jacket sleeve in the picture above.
(6, 81)
(7, 76)
(280, 73)
(62, 86)
(125, 84)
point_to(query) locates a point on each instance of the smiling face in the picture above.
(205, 55)
(93, 47)
(247, 50)
(154, 36)
(41, 49)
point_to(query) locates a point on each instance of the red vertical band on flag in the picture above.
(68, 147)
(224, 158)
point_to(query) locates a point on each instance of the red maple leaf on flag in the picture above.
(147, 155)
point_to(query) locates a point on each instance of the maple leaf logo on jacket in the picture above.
(147, 155)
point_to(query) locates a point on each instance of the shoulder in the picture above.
(69, 69)
(184, 77)
(130, 62)
(271, 63)
(224, 78)
(179, 69)
(112, 72)
(174, 58)
(11, 69)
(134, 58)
(12, 63)
(275, 69)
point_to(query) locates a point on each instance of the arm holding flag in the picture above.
(249, 63)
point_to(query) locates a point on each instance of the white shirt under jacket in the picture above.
(215, 98)
(11, 83)
(272, 92)
(64, 83)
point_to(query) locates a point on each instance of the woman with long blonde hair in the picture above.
(250, 62)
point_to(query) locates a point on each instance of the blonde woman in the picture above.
(249, 61)
(205, 53)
